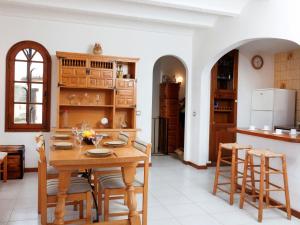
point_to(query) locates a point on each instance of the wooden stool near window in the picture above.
(3, 164)
(265, 186)
(233, 160)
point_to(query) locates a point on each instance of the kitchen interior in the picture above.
(255, 100)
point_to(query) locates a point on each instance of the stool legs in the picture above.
(233, 176)
(242, 198)
(286, 187)
(261, 188)
(5, 169)
(267, 182)
(217, 170)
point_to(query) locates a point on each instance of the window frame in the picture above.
(10, 125)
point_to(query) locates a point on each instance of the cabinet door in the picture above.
(220, 134)
(107, 74)
(73, 77)
(125, 98)
(125, 83)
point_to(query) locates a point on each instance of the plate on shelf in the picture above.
(99, 152)
(63, 145)
(114, 143)
(61, 136)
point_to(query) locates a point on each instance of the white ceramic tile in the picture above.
(198, 220)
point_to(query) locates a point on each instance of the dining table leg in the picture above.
(129, 177)
(63, 185)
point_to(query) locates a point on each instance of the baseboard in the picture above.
(30, 170)
(198, 167)
(294, 212)
(33, 169)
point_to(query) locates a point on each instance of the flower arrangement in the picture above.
(87, 136)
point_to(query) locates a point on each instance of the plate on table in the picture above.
(99, 152)
(63, 145)
(114, 143)
(61, 136)
(103, 135)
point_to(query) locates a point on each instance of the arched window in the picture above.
(28, 86)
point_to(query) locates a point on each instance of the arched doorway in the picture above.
(275, 53)
(168, 105)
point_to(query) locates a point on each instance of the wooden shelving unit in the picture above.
(91, 87)
(223, 110)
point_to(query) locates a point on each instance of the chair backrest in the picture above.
(42, 163)
(145, 148)
(123, 137)
(142, 146)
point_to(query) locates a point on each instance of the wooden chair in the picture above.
(123, 136)
(265, 186)
(79, 189)
(3, 164)
(111, 186)
(232, 159)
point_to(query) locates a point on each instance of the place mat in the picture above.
(63, 145)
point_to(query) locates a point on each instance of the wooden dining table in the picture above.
(68, 161)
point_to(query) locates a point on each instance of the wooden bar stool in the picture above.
(3, 164)
(233, 160)
(265, 186)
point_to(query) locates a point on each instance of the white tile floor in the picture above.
(178, 195)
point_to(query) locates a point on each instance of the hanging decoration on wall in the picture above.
(97, 50)
(257, 62)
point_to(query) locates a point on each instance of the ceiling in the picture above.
(269, 45)
(189, 13)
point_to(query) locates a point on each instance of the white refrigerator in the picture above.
(273, 107)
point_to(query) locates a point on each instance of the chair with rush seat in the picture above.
(111, 186)
(79, 189)
(265, 186)
(232, 160)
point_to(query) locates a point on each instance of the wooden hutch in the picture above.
(223, 106)
(169, 110)
(92, 87)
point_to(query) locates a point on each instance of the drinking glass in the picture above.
(96, 140)
(79, 138)
(74, 131)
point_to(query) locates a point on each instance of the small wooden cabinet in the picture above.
(90, 87)
(15, 160)
(223, 107)
(169, 109)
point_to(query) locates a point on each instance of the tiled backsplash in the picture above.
(287, 74)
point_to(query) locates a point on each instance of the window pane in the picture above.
(20, 113)
(21, 90)
(21, 56)
(36, 71)
(35, 114)
(36, 94)
(20, 71)
(37, 57)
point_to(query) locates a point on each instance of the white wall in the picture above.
(76, 37)
(250, 79)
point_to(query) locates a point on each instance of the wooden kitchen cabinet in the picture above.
(223, 106)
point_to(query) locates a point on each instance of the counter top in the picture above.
(269, 134)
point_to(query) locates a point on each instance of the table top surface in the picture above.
(76, 156)
(285, 136)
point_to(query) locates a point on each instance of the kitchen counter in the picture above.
(283, 143)
(269, 134)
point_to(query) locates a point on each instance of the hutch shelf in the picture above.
(92, 87)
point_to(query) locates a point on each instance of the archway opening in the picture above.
(168, 106)
(262, 64)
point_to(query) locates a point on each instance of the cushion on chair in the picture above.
(123, 136)
(111, 181)
(140, 145)
(77, 185)
(51, 170)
